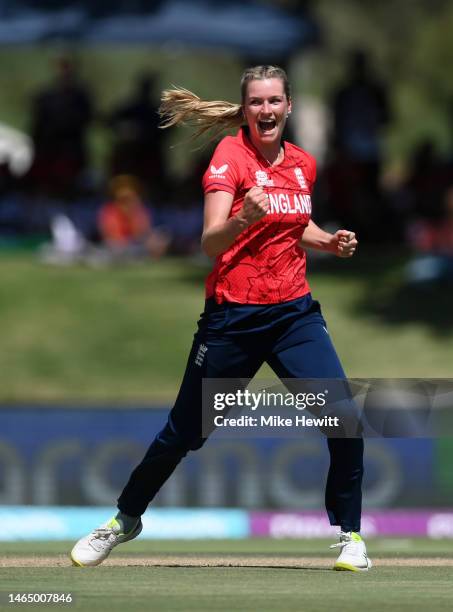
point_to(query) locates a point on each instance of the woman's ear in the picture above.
(290, 107)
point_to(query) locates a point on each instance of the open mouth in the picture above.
(267, 125)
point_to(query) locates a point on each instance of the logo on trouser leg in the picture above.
(199, 358)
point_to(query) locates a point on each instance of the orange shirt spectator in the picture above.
(125, 224)
(124, 219)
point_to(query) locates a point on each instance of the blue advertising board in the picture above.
(76, 456)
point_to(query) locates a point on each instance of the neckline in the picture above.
(247, 141)
(275, 164)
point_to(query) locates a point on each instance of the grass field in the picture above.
(122, 334)
(262, 575)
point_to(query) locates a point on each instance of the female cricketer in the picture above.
(259, 307)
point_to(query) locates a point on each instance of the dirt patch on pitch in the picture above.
(208, 561)
(34, 561)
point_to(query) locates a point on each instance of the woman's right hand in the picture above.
(255, 206)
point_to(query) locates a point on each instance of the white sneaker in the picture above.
(353, 555)
(97, 545)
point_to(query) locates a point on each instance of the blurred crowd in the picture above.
(133, 207)
(417, 210)
(138, 209)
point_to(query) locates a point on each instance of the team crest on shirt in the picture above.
(300, 178)
(262, 180)
(218, 172)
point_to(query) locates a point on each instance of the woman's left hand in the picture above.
(344, 243)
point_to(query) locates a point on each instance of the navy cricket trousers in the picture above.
(233, 341)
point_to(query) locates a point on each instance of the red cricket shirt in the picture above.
(265, 264)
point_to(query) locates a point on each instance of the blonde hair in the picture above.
(179, 106)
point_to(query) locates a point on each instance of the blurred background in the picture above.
(102, 275)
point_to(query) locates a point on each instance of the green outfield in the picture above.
(262, 575)
(77, 334)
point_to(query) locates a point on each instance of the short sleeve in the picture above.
(223, 171)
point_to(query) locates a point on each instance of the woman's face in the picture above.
(126, 197)
(266, 108)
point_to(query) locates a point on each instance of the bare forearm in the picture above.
(316, 238)
(342, 244)
(218, 239)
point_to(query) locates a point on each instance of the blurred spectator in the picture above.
(6, 178)
(360, 111)
(427, 182)
(125, 223)
(61, 115)
(433, 240)
(68, 245)
(138, 141)
(184, 214)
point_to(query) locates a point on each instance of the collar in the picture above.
(289, 158)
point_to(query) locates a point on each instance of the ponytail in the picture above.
(180, 106)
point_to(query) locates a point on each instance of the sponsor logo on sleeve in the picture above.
(218, 172)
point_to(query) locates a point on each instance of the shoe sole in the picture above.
(133, 535)
(347, 567)
(75, 562)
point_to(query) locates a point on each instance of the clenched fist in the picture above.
(344, 243)
(255, 206)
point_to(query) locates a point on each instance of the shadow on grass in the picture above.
(384, 294)
(431, 306)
